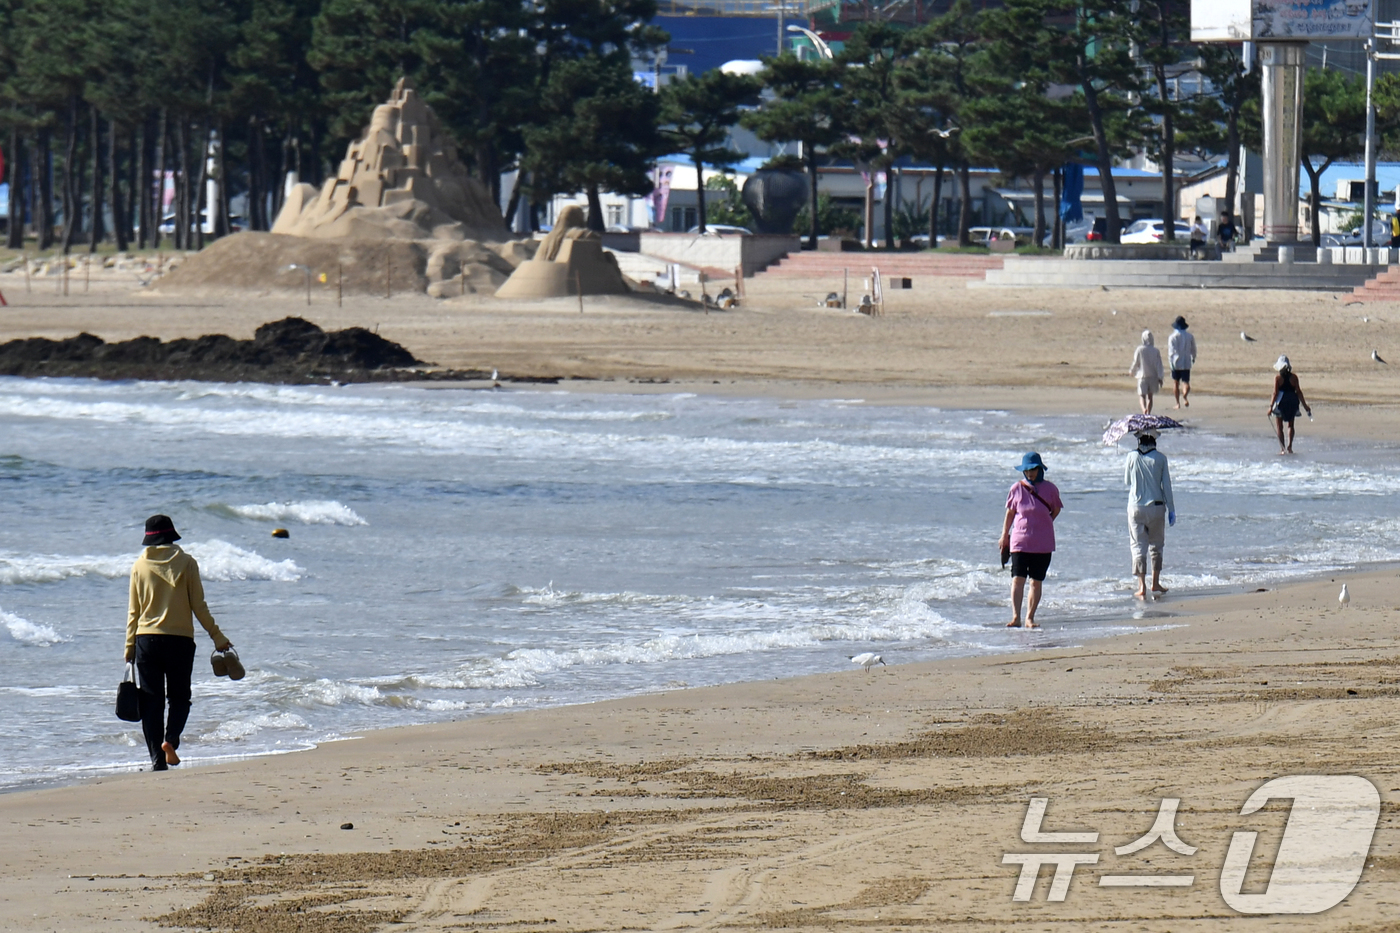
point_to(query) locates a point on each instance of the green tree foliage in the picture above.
(1334, 128)
(939, 81)
(597, 131)
(697, 113)
(1213, 123)
(132, 104)
(728, 206)
(805, 106)
(1089, 44)
(1160, 35)
(834, 219)
(874, 56)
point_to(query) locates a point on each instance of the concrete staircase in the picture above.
(1030, 272)
(814, 264)
(641, 268)
(1384, 287)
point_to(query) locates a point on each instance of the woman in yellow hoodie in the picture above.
(166, 596)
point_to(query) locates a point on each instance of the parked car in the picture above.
(1152, 231)
(980, 236)
(719, 229)
(236, 224)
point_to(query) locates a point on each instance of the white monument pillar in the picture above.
(1282, 79)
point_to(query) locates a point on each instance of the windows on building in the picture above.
(683, 218)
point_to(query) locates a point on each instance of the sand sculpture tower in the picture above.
(401, 179)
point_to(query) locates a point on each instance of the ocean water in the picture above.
(457, 552)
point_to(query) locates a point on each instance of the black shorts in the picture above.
(1182, 375)
(1029, 565)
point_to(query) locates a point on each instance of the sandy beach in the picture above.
(878, 801)
(883, 800)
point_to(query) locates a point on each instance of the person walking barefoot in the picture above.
(1284, 402)
(166, 596)
(1181, 356)
(1147, 369)
(1150, 509)
(1028, 532)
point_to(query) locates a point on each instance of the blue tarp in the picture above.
(1071, 204)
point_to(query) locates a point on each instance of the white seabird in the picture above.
(868, 660)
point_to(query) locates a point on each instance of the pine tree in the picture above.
(596, 131)
(806, 106)
(697, 113)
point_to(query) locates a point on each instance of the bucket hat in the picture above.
(159, 530)
(1180, 323)
(1031, 461)
(1281, 364)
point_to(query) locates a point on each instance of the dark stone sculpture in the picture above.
(774, 197)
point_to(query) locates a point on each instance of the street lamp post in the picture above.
(822, 48)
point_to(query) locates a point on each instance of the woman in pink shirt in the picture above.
(1028, 533)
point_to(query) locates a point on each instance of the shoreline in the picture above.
(1165, 616)
(1226, 413)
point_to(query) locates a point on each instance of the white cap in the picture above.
(1281, 364)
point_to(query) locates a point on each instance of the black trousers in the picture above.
(163, 667)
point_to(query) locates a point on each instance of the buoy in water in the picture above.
(280, 533)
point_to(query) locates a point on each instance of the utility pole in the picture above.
(1368, 237)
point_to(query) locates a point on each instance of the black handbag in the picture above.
(128, 696)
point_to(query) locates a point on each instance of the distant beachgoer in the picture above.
(1226, 232)
(1181, 356)
(1150, 509)
(1283, 404)
(1199, 233)
(1029, 533)
(166, 593)
(1147, 369)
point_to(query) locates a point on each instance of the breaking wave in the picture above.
(310, 512)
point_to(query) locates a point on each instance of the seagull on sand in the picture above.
(1377, 357)
(1246, 338)
(868, 660)
(1345, 597)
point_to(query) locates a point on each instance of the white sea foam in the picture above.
(219, 560)
(309, 512)
(237, 730)
(52, 568)
(29, 633)
(899, 614)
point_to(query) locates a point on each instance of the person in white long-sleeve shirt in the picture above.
(1181, 356)
(1150, 510)
(1147, 369)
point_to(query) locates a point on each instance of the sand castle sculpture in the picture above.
(402, 178)
(403, 213)
(570, 261)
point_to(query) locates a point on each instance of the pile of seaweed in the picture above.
(289, 350)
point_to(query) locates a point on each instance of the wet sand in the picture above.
(877, 801)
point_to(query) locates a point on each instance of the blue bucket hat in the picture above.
(1031, 461)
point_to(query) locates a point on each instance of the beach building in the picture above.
(1342, 187)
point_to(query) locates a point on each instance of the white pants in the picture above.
(1147, 532)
